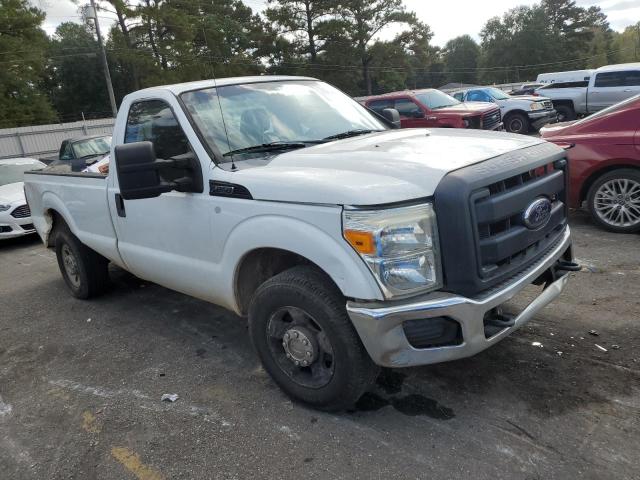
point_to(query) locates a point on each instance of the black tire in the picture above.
(517, 123)
(565, 113)
(623, 174)
(308, 290)
(91, 269)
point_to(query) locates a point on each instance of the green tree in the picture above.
(23, 46)
(303, 20)
(363, 20)
(626, 45)
(76, 81)
(460, 56)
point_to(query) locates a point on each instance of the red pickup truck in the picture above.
(432, 108)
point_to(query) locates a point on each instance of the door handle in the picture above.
(120, 206)
(432, 118)
(627, 91)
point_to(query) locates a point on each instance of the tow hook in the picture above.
(566, 266)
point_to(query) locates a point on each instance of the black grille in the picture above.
(21, 212)
(490, 119)
(548, 105)
(5, 228)
(27, 227)
(432, 332)
(483, 236)
(504, 241)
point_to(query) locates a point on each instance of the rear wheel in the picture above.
(517, 123)
(614, 201)
(565, 113)
(84, 271)
(300, 329)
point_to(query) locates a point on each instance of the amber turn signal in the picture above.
(361, 241)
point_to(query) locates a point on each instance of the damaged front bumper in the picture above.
(446, 326)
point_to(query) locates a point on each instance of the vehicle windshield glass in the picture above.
(608, 110)
(14, 172)
(92, 146)
(280, 112)
(435, 99)
(497, 93)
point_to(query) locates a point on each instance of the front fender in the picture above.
(328, 251)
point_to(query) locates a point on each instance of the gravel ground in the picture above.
(80, 388)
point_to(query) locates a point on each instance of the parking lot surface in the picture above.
(81, 383)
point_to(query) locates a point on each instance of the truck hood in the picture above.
(12, 193)
(466, 108)
(384, 167)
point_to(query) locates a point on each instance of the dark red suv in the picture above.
(604, 163)
(432, 108)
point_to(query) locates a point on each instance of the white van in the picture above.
(571, 76)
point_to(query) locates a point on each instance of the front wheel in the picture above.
(565, 113)
(300, 329)
(517, 123)
(614, 201)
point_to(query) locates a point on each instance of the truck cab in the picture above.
(346, 244)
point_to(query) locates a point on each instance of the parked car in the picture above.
(81, 152)
(348, 244)
(604, 157)
(15, 216)
(519, 114)
(432, 108)
(525, 89)
(606, 86)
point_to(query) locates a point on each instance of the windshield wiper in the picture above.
(271, 147)
(350, 133)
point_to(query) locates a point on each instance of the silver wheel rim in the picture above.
(617, 202)
(517, 123)
(70, 266)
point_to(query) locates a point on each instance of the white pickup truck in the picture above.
(348, 244)
(604, 87)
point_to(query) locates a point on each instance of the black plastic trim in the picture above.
(228, 190)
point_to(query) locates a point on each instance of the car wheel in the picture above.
(614, 201)
(565, 113)
(84, 271)
(301, 331)
(517, 123)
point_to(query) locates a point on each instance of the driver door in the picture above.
(412, 115)
(166, 239)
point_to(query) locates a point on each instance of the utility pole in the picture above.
(105, 65)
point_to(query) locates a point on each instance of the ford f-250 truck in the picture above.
(348, 244)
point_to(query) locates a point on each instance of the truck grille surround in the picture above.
(548, 105)
(485, 239)
(490, 120)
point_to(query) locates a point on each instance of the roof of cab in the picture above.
(618, 67)
(179, 88)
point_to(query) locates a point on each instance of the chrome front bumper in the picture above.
(380, 325)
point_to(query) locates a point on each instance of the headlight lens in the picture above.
(4, 208)
(537, 106)
(399, 245)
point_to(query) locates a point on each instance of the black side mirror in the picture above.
(393, 116)
(139, 172)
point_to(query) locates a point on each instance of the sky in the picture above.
(446, 19)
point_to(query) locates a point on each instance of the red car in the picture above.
(430, 108)
(604, 163)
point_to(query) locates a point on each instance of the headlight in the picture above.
(4, 208)
(537, 106)
(399, 245)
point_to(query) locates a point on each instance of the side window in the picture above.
(478, 96)
(66, 152)
(379, 105)
(610, 79)
(153, 120)
(407, 108)
(633, 78)
(458, 96)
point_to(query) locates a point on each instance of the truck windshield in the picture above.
(497, 94)
(14, 172)
(435, 99)
(236, 118)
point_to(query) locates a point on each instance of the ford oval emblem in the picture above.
(537, 213)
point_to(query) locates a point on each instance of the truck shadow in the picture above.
(512, 376)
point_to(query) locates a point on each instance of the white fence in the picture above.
(44, 141)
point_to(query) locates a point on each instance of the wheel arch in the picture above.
(595, 175)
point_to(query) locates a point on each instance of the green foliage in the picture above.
(461, 56)
(23, 47)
